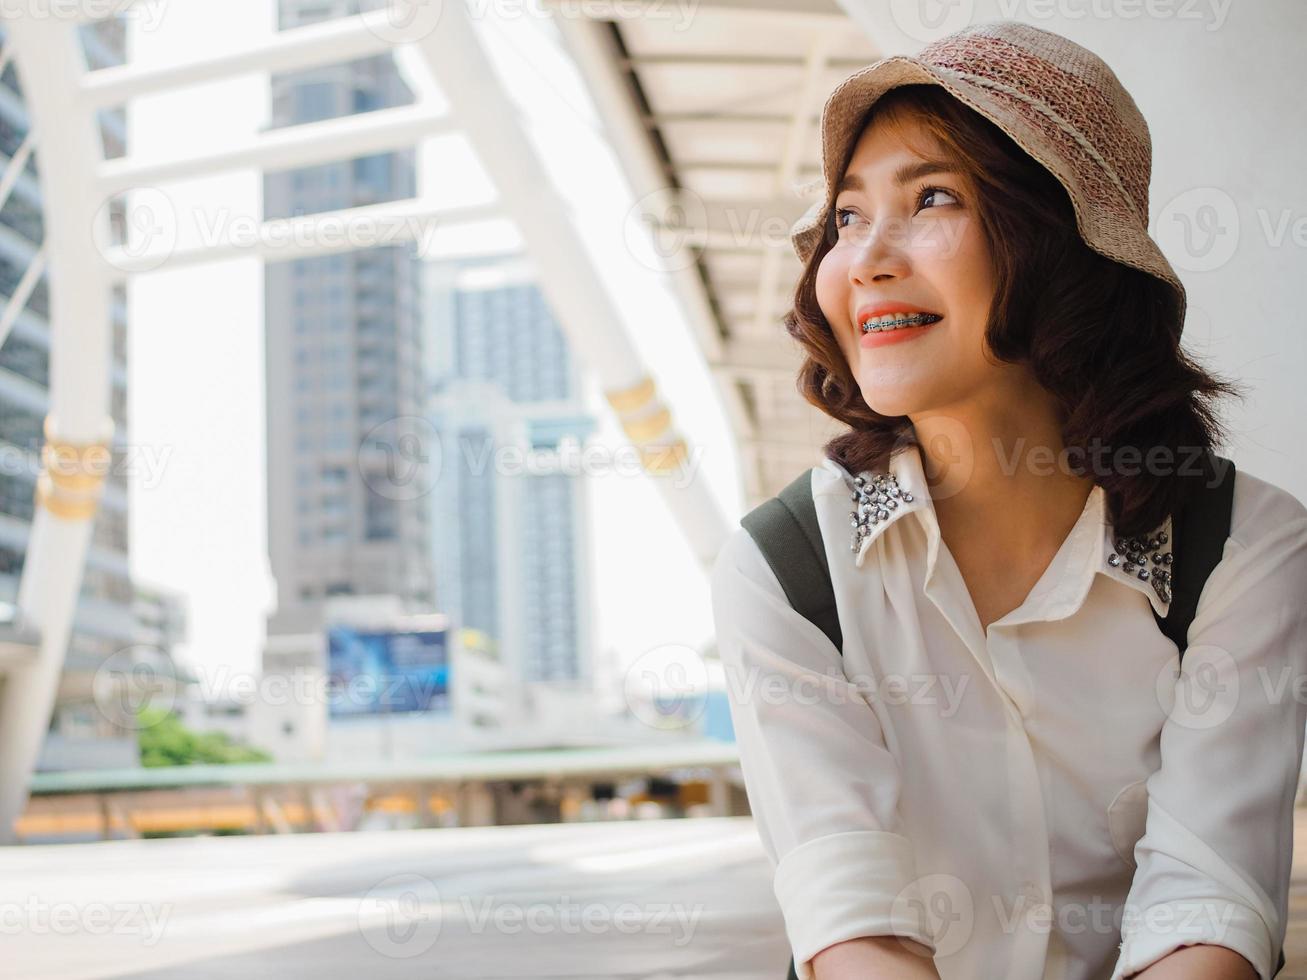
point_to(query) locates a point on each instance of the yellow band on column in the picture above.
(664, 458)
(64, 505)
(644, 429)
(628, 400)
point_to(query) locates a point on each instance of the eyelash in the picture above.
(921, 192)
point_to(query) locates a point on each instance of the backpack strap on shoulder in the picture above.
(1198, 532)
(786, 530)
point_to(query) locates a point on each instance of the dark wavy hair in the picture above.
(1101, 337)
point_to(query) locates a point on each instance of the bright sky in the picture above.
(196, 354)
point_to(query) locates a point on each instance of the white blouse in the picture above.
(1013, 797)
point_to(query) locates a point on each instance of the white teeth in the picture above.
(895, 321)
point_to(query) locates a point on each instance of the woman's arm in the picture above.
(1203, 962)
(876, 958)
(823, 787)
(1214, 862)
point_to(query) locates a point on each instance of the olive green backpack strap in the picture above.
(1198, 532)
(785, 528)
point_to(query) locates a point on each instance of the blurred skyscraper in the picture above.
(115, 624)
(512, 543)
(343, 362)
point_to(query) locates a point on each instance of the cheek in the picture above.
(832, 286)
(958, 258)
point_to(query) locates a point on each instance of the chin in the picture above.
(883, 404)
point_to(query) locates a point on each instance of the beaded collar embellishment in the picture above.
(1149, 559)
(872, 502)
(1136, 555)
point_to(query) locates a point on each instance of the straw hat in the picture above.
(1058, 101)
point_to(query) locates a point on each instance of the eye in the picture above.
(930, 191)
(927, 192)
(840, 214)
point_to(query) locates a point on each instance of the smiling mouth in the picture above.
(884, 324)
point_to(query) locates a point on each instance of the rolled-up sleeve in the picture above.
(822, 785)
(1214, 862)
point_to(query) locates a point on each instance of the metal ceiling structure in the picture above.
(715, 111)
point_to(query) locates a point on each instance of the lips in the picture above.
(885, 309)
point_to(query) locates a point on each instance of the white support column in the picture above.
(78, 429)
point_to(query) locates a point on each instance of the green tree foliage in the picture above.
(165, 741)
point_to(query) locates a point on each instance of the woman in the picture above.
(1002, 774)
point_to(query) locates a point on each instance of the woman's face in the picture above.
(909, 236)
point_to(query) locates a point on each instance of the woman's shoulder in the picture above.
(740, 554)
(1261, 509)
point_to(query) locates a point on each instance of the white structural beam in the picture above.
(572, 284)
(79, 428)
(711, 224)
(302, 47)
(21, 294)
(307, 236)
(15, 167)
(779, 357)
(591, 45)
(796, 137)
(280, 149)
(633, 10)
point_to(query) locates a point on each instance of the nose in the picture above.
(878, 255)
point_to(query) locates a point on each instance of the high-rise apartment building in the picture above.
(512, 540)
(343, 363)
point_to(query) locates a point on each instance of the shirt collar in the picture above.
(1091, 547)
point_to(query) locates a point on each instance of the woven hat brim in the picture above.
(1099, 224)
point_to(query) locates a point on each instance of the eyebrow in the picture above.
(904, 174)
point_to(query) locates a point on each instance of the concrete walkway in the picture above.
(637, 899)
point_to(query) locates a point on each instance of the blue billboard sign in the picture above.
(387, 671)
